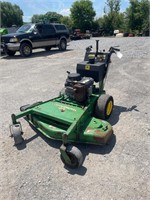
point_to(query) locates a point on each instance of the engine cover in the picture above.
(77, 88)
(80, 94)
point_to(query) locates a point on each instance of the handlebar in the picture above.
(106, 55)
(114, 49)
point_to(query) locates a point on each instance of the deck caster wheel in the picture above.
(75, 156)
(16, 133)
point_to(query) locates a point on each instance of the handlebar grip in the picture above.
(116, 49)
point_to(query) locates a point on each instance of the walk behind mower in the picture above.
(78, 113)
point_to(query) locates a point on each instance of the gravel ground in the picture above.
(118, 171)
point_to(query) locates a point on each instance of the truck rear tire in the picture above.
(62, 45)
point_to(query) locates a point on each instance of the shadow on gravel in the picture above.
(21, 146)
(81, 171)
(98, 149)
(35, 54)
(118, 110)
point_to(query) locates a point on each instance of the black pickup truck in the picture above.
(32, 36)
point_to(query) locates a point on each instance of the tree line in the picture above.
(135, 19)
(10, 14)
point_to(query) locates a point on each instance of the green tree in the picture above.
(10, 14)
(95, 25)
(112, 18)
(53, 17)
(37, 18)
(82, 14)
(112, 6)
(18, 13)
(49, 17)
(67, 21)
(137, 15)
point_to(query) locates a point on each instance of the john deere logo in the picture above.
(87, 67)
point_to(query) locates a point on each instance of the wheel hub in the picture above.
(109, 108)
(26, 50)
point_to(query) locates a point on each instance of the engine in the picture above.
(78, 88)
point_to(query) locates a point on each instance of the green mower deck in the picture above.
(63, 120)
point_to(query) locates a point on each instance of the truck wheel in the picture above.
(62, 45)
(75, 156)
(104, 106)
(25, 50)
(10, 53)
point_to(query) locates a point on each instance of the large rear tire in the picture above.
(104, 106)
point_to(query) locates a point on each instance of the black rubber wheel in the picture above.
(10, 53)
(25, 50)
(16, 133)
(47, 48)
(62, 45)
(104, 106)
(75, 156)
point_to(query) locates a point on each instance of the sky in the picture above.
(31, 7)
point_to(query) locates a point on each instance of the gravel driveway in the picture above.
(118, 171)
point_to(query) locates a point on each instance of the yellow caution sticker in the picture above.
(87, 67)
